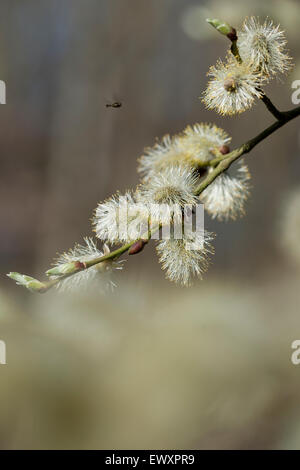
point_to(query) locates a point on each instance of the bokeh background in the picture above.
(153, 365)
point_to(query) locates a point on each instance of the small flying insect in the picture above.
(116, 104)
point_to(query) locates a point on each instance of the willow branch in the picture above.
(88, 264)
(220, 165)
(270, 106)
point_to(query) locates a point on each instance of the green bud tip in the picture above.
(221, 26)
(67, 268)
(34, 285)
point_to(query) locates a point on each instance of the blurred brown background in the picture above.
(62, 151)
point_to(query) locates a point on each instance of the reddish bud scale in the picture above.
(137, 247)
(232, 35)
(224, 149)
(79, 265)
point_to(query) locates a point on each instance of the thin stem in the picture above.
(110, 256)
(235, 50)
(270, 106)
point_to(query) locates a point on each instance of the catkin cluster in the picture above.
(260, 56)
(171, 174)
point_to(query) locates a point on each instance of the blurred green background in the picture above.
(154, 365)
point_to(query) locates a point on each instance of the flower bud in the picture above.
(223, 28)
(34, 285)
(224, 149)
(67, 268)
(137, 247)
